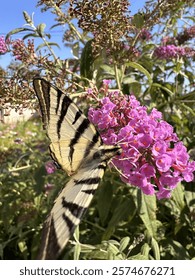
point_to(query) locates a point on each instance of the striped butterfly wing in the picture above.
(67, 127)
(68, 210)
(77, 147)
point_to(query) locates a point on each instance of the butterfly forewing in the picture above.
(67, 127)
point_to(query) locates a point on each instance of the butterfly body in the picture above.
(78, 149)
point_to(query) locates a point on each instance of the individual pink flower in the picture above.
(50, 167)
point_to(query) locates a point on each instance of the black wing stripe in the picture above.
(80, 130)
(75, 209)
(64, 108)
(94, 140)
(45, 87)
(77, 116)
(89, 191)
(89, 181)
(70, 224)
(59, 95)
(49, 236)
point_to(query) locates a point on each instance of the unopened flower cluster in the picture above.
(20, 50)
(153, 158)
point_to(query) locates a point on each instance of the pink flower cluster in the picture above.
(169, 52)
(3, 45)
(145, 35)
(153, 158)
(25, 53)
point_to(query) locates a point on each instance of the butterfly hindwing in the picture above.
(68, 209)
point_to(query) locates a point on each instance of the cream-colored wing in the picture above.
(73, 201)
(67, 127)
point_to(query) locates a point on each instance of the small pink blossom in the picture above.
(50, 167)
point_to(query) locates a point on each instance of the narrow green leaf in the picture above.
(143, 70)
(76, 234)
(45, 45)
(147, 212)
(163, 87)
(145, 249)
(17, 30)
(75, 49)
(178, 197)
(30, 35)
(108, 69)
(124, 243)
(155, 249)
(87, 60)
(129, 80)
(138, 257)
(77, 251)
(104, 201)
(124, 209)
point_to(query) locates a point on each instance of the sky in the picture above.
(11, 17)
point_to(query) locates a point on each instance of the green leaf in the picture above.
(163, 87)
(138, 20)
(87, 60)
(147, 212)
(76, 49)
(124, 243)
(143, 70)
(121, 212)
(190, 196)
(129, 80)
(178, 197)
(40, 29)
(17, 30)
(108, 69)
(46, 44)
(155, 249)
(77, 251)
(138, 257)
(145, 249)
(30, 35)
(104, 201)
(176, 249)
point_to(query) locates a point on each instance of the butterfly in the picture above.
(76, 146)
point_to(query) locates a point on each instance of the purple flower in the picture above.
(169, 52)
(50, 167)
(152, 158)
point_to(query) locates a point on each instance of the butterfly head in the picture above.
(105, 153)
